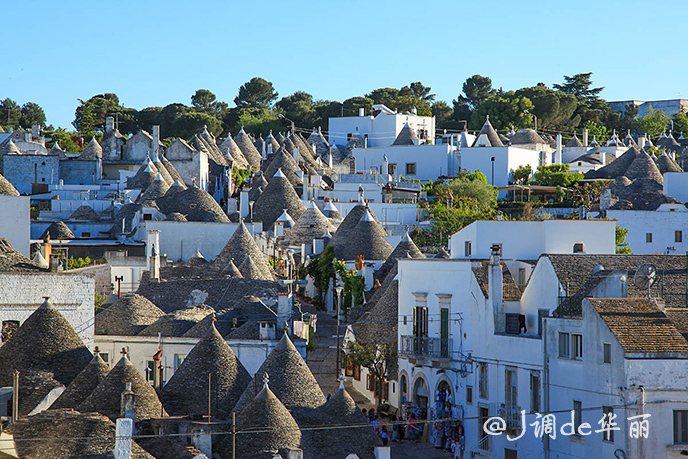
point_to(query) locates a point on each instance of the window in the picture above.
(648, 237)
(577, 415)
(410, 168)
(85, 234)
(392, 169)
(482, 380)
(607, 353)
(680, 426)
(148, 217)
(534, 391)
(420, 321)
(577, 345)
(178, 360)
(564, 352)
(678, 236)
(521, 277)
(469, 395)
(370, 382)
(511, 392)
(150, 371)
(467, 248)
(608, 413)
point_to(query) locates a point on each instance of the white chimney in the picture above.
(243, 204)
(152, 254)
(641, 141)
(296, 154)
(383, 452)
(269, 149)
(109, 124)
(361, 111)
(156, 139)
(585, 137)
(279, 229)
(284, 305)
(495, 286)
(557, 154)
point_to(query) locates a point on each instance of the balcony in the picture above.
(426, 347)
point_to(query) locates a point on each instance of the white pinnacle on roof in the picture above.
(327, 235)
(367, 217)
(285, 218)
(159, 178)
(205, 130)
(198, 253)
(39, 259)
(279, 173)
(330, 207)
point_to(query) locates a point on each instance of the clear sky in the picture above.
(152, 53)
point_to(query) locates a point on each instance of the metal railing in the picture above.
(424, 346)
(480, 449)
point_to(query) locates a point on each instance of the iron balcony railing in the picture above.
(424, 346)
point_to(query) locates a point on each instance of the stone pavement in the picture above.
(405, 450)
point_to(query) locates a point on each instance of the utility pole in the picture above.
(233, 435)
(338, 289)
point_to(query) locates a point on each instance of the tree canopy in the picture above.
(257, 92)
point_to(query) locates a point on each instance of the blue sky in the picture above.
(155, 53)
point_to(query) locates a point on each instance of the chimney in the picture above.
(641, 142)
(585, 137)
(109, 124)
(318, 245)
(35, 131)
(128, 406)
(156, 139)
(269, 149)
(284, 305)
(243, 204)
(263, 150)
(330, 160)
(383, 452)
(296, 154)
(152, 251)
(27, 136)
(54, 263)
(361, 111)
(557, 154)
(495, 287)
(279, 229)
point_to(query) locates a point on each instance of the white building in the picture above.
(658, 231)
(676, 185)
(420, 162)
(15, 221)
(499, 163)
(381, 128)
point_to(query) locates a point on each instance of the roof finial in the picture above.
(266, 379)
(341, 379)
(123, 352)
(96, 350)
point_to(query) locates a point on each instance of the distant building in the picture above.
(669, 106)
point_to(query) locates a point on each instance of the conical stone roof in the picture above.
(277, 196)
(284, 162)
(162, 170)
(666, 164)
(144, 176)
(291, 379)
(196, 204)
(341, 237)
(490, 133)
(56, 150)
(11, 148)
(82, 386)
(246, 146)
(45, 343)
(617, 167)
(442, 254)
(270, 139)
(106, 398)
(6, 187)
(312, 224)
(240, 246)
(235, 152)
(259, 185)
(128, 316)
(407, 136)
(176, 187)
(186, 393)
(93, 151)
(330, 211)
(368, 239)
(404, 247)
(265, 426)
(174, 174)
(155, 190)
(574, 142)
(232, 270)
(178, 322)
(250, 270)
(526, 137)
(644, 167)
(57, 231)
(85, 213)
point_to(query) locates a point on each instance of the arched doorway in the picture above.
(421, 396)
(403, 390)
(444, 396)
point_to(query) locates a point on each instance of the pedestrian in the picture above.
(371, 414)
(401, 429)
(365, 412)
(384, 435)
(413, 428)
(395, 428)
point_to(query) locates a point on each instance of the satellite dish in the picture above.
(645, 276)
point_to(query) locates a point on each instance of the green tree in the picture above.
(408, 103)
(443, 115)
(557, 175)
(299, 107)
(505, 110)
(90, 115)
(597, 131)
(257, 92)
(374, 357)
(474, 187)
(190, 122)
(206, 102)
(325, 109)
(554, 109)
(32, 113)
(383, 96)
(522, 175)
(653, 123)
(419, 91)
(152, 116)
(352, 105)
(476, 90)
(620, 237)
(67, 140)
(590, 106)
(258, 121)
(681, 123)
(10, 114)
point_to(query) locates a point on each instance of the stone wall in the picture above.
(79, 172)
(23, 170)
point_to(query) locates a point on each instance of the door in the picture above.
(510, 453)
(444, 333)
(483, 414)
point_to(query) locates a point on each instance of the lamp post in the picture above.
(281, 116)
(534, 116)
(338, 289)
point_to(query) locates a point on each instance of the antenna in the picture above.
(645, 277)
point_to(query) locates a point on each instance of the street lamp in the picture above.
(281, 116)
(534, 116)
(338, 289)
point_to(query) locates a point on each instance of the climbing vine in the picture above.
(353, 288)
